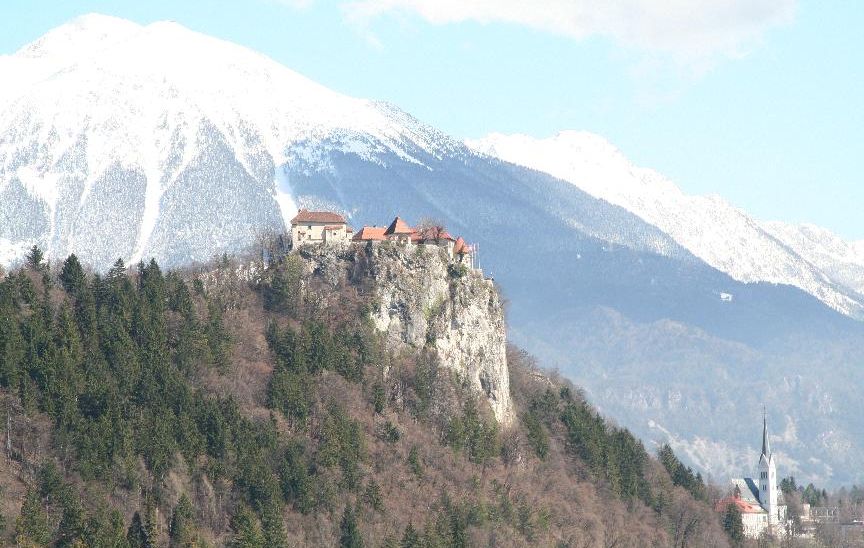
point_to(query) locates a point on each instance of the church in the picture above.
(758, 499)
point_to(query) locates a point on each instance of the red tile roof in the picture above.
(370, 233)
(398, 226)
(460, 247)
(306, 216)
(743, 506)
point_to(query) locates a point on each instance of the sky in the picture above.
(759, 101)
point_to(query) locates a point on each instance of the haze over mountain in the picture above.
(120, 140)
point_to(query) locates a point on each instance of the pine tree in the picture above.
(72, 275)
(181, 529)
(274, 528)
(72, 530)
(32, 524)
(410, 539)
(34, 259)
(11, 348)
(246, 532)
(137, 535)
(733, 524)
(349, 534)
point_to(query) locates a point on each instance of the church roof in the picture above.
(744, 506)
(747, 487)
(766, 445)
(750, 492)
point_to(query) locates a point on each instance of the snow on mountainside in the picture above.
(709, 227)
(841, 260)
(108, 120)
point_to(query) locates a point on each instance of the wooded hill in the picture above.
(237, 406)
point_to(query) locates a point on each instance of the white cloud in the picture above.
(686, 29)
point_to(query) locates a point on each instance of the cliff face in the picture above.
(422, 300)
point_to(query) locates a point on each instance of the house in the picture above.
(318, 227)
(761, 503)
(370, 234)
(462, 252)
(399, 231)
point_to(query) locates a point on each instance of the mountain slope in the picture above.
(211, 409)
(713, 230)
(122, 140)
(840, 260)
(101, 108)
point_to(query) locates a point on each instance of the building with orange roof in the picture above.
(370, 234)
(760, 502)
(400, 231)
(309, 227)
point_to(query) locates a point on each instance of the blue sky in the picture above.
(760, 101)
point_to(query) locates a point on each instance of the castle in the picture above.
(311, 227)
(759, 500)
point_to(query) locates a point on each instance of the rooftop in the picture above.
(370, 233)
(306, 216)
(398, 226)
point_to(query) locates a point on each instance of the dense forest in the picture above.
(237, 406)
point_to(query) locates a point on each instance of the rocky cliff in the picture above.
(424, 300)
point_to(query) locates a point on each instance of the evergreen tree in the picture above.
(410, 539)
(181, 529)
(733, 524)
(11, 348)
(138, 535)
(34, 259)
(72, 276)
(72, 530)
(349, 534)
(274, 528)
(246, 532)
(32, 524)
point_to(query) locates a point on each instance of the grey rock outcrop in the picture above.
(424, 300)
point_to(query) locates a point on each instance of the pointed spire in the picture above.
(766, 447)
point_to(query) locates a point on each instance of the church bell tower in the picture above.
(767, 476)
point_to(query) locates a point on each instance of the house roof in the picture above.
(745, 507)
(398, 226)
(306, 216)
(460, 247)
(370, 233)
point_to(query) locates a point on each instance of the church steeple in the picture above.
(768, 494)
(766, 446)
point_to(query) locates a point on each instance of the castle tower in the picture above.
(768, 476)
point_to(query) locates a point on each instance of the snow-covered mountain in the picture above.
(121, 140)
(722, 235)
(840, 260)
(105, 120)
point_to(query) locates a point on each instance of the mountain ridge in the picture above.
(111, 158)
(722, 235)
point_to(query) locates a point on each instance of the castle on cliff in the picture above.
(327, 227)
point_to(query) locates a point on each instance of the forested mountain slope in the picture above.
(118, 139)
(248, 407)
